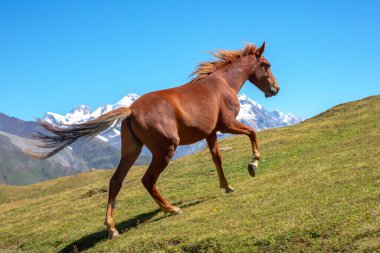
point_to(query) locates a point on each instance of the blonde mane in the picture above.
(225, 57)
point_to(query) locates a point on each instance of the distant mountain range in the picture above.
(251, 113)
(17, 168)
(101, 152)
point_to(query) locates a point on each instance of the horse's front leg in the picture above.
(212, 143)
(237, 127)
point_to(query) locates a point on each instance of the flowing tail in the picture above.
(63, 137)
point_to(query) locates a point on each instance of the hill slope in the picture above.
(317, 189)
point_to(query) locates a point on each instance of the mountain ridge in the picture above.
(251, 113)
(103, 151)
(16, 167)
(83, 113)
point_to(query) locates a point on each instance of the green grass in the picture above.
(317, 190)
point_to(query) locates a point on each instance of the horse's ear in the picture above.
(260, 50)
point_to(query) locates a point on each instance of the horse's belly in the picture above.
(189, 134)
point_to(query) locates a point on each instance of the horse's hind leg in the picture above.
(217, 158)
(130, 150)
(159, 162)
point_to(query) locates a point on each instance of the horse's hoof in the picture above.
(175, 211)
(252, 167)
(113, 234)
(229, 189)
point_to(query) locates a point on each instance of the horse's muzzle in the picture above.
(272, 92)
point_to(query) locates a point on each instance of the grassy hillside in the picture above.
(317, 190)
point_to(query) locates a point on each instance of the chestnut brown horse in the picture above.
(164, 119)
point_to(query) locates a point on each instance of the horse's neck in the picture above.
(235, 75)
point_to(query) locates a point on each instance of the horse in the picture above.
(162, 120)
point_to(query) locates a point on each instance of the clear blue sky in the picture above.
(55, 55)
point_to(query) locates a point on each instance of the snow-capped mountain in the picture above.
(251, 113)
(84, 113)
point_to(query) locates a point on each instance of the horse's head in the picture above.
(262, 76)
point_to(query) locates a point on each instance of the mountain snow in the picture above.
(83, 113)
(251, 113)
(249, 110)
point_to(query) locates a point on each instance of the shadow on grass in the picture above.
(91, 240)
